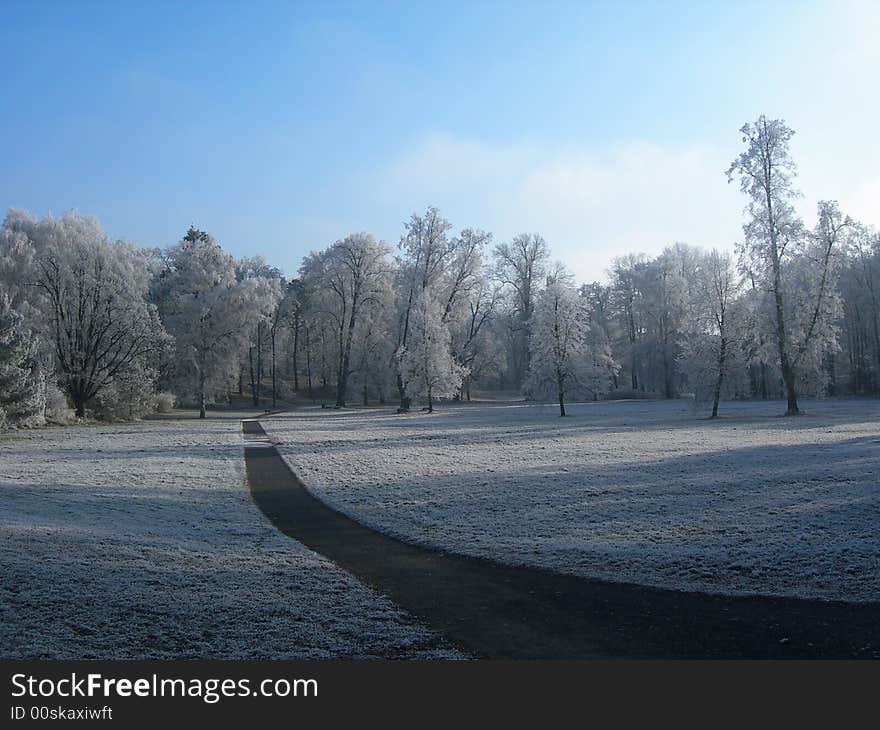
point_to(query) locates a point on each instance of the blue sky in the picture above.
(280, 127)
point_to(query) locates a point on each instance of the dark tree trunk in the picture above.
(254, 396)
(202, 398)
(722, 362)
(788, 373)
(667, 375)
(309, 368)
(295, 353)
(274, 380)
(259, 390)
(405, 400)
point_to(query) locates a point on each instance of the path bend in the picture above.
(498, 611)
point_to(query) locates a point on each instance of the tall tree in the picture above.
(766, 173)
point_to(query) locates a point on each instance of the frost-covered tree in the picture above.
(17, 254)
(130, 395)
(474, 339)
(860, 290)
(786, 262)
(425, 254)
(91, 293)
(714, 336)
(602, 327)
(373, 349)
(465, 275)
(22, 386)
(264, 333)
(521, 266)
(664, 287)
(561, 360)
(291, 319)
(348, 282)
(817, 306)
(427, 365)
(210, 312)
(625, 303)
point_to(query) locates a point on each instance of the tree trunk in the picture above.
(722, 363)
(405, 400)
(366, 401)
(295, 353)
(561, 402)
(634, 378)
(274, 380)
(253, 381)
(309, 370)
(202, 385)
(788, 373)
(667, 376)
(259, 364)
(345, 360)
(430, 401)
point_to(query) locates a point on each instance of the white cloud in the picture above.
(590, 205)
(594, 204)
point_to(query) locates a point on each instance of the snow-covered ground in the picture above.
(141, 541)
(646, 492)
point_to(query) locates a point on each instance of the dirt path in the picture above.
(506, 612)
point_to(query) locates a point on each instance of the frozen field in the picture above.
(645, 492)
(141, 541)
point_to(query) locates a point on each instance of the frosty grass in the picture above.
(644, 492)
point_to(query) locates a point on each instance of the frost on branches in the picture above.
(427, 366)
(714, 347)
(210, 312)
(22, 391)
(562, 361)
(86, 301)
(796, 269)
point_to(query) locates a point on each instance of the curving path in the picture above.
(499, 611)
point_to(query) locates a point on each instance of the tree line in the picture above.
(94, 326)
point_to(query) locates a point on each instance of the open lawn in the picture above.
(645, 492)
(141, 541)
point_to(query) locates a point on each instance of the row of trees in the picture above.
(106, 327)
